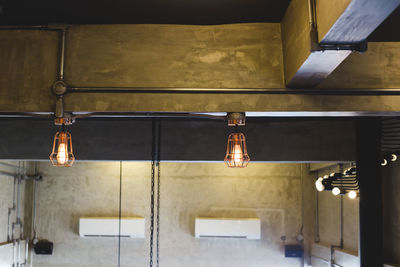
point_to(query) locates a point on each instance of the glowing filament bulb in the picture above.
(237, 154)
(62, 153)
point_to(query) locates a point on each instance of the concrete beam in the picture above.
(355, 23)
(379, 67)
(226, 56)
(339, 22)
(183, 140)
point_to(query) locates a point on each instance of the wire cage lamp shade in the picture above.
(236, 151)
(62, 154)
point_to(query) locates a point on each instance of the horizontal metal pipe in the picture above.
(7, 173)
(148, 115)
(284, 91)
(50, 27)
(8, 165)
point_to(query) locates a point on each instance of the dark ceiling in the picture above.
(197, 12)
(389, 30)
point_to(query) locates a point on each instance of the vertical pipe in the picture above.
(341, 223)
(9, 233)
(341, 169)
(62, 54)
(368, 151)
(317, 237)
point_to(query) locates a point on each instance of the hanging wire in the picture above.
(119, 214)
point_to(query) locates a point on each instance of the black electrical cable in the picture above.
(119, 214)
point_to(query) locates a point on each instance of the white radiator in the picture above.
(249, 228)
(133, 227)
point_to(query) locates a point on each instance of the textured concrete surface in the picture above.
(269, 191)
(243, 55)
(328, 13)
(329, 217)
(322, 256)
(295, 37)
(379, 67)
(225, 56)
(6, 202)
(28, 65)
(6, 196)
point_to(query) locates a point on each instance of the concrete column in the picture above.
(368, 171)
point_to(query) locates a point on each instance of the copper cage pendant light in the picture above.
(236, 151)
(62, 154)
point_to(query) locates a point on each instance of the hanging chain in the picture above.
(155, 162)
(152, 192)
(158, 191)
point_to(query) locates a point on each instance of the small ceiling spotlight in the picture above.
(393, 157)
(336, 191)
(352, 194)
(236, 151)
(384, 162)
(62, 154)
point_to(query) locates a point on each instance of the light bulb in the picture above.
(236, 151)
(394, 157)
(352, 194)
(62, 153)
(320, 187)
(237, 154)
(336, 191)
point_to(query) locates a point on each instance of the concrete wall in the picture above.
(269, 191)
(330, 224)
(6, 202)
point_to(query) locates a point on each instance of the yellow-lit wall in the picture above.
(271, 192)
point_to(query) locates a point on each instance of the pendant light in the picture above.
(62, 154)
(236, 151)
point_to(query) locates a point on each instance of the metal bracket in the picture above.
(36, 177)
(67, 119)
(316, 46)
(236, 118)
(59, 88)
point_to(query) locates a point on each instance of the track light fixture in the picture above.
(62, 154)
(388, 157)
(236, 151)
(340, 183)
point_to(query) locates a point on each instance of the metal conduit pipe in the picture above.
(317, 237)
(341, 245)
(14, 246)
(10, 210)
(8, 165)
(7, 174)
(283, 91)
